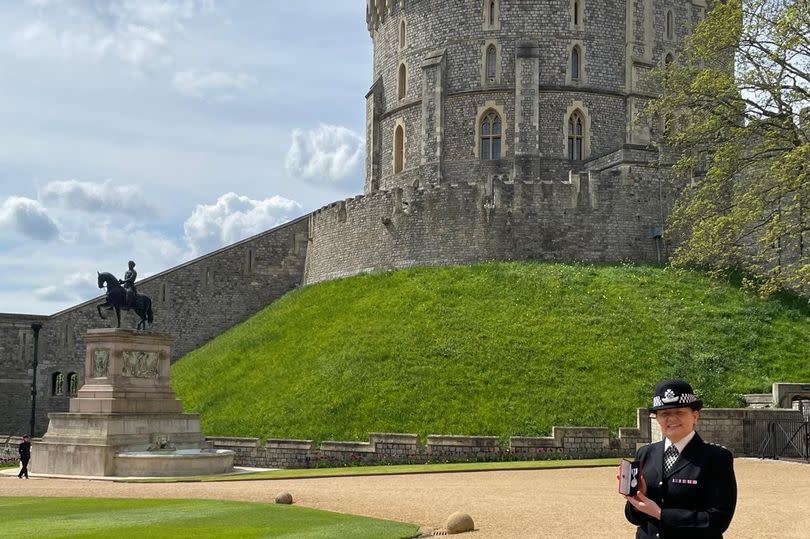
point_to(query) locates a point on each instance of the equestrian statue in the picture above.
(122, 294)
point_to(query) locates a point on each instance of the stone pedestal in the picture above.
(126, 412)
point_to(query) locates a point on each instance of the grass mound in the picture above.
(491, 349)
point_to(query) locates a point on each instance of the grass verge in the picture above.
(397, 469)
(176, 519)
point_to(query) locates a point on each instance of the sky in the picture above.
(160, 130)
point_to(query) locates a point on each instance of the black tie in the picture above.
(670, 456)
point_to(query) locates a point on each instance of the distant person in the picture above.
(25, 456)
(128, 282)
(687, 488)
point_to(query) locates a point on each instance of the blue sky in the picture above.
(159, 130)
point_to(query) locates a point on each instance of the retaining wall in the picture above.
(395, 448)
(725, 427)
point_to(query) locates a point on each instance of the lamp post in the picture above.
(36, 327)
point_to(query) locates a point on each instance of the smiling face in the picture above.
(676, 423)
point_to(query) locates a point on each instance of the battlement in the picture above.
(377, 11)
(495, 190)
(592, 216)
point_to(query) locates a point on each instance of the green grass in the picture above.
(175, 519)
(490, 349)
(399, 469)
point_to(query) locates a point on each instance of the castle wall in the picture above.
(595, 217)
(194, 302)
(16, 354)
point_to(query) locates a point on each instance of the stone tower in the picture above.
(467, 89)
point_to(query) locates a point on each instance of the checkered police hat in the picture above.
(674, 394)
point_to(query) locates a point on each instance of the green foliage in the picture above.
(491, 349)
(393, 469)
(734, 100)
(176, 519)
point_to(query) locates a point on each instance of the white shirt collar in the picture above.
(682, 443)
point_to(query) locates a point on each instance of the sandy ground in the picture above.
(774, 499)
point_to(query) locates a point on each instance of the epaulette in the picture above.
(719, 445)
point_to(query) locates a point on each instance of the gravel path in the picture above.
(774, 499)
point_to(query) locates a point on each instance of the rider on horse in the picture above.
(128, 282)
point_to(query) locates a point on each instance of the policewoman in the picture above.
(688, 488)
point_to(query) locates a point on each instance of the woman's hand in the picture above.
(642, 503)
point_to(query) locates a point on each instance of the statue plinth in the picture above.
(126, 419)
(126, 371)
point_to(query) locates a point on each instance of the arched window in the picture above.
(403, 79)
(399, 149)
(670, 25)
(58, 384)
(402, 35)
(491, 136)
(576, 9)
(491, 14)
(492, 60)
(73, 384)
(576, 137)
(576, 63)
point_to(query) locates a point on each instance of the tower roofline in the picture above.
(377, 11)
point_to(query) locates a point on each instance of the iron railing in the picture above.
(777, 439)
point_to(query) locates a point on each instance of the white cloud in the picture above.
(215, 85)
(327, 154)
(73, 288)
(28, 218)
(96, 197)
(232, 218)
(137, 32)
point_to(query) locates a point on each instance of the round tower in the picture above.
(465, 90)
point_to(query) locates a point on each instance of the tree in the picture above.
(736, 110)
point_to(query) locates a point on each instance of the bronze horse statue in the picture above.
(117, 299)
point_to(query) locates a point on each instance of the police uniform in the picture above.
(697, 496)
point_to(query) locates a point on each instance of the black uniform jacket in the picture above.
(25, 450)
(697, 498)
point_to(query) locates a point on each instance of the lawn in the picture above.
(176, 519)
